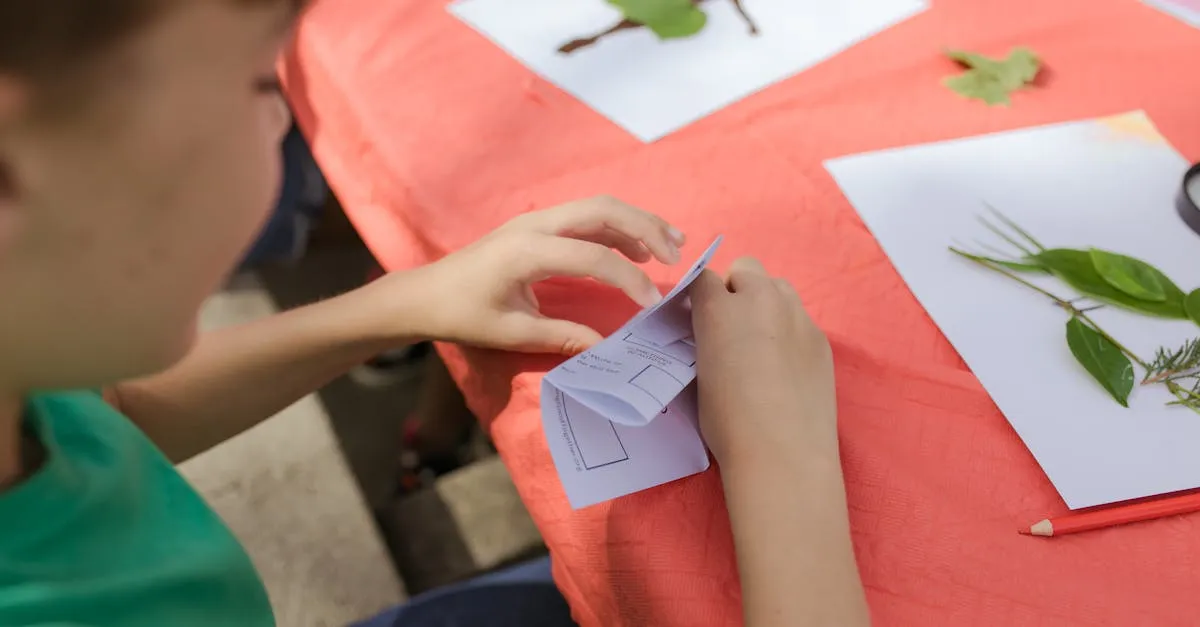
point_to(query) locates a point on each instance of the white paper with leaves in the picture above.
(651, 87)
(1107, 183)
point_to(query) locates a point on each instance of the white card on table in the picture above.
(1107, 183)
(1185, 10)
(652, 87)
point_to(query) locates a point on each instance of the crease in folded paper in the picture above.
(631, 387)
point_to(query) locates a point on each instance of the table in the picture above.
(431, 136)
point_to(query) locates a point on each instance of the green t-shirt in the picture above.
(107, 533)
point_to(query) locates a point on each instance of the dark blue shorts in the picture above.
(522, 596)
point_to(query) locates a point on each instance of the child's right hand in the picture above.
(765, 370)
(769, 415)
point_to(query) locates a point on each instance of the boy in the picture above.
(138, 156)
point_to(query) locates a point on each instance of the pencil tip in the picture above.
(1044, 529)
(1025, 531)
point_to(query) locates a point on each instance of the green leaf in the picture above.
(1008, 238)
(1192, 305)
(1025, 264)
(667, 18)
(1015, 227)
(973, 84)
(1029, 265)
(1102, 359)
(1019, 266)
(1076, 269)
(992, 80)
(1132, 276)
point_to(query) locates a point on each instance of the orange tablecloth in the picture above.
(431, 136)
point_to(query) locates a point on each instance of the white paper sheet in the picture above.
(652, 87)
(1185, 10)
(621, 417)
(1103, 183)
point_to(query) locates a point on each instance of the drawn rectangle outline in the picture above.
(571, 428)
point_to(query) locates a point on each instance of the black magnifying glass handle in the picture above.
(1187, 202)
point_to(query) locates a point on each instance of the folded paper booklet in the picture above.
(621, 417)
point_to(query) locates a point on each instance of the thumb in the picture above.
(707, 287)
(563, 337)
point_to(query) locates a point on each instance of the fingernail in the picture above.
(652, 297)
(676, 235)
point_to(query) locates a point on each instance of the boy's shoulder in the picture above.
(106, 531)
(79, 423)
(74, 406)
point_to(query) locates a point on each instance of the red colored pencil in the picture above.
(1116, 515)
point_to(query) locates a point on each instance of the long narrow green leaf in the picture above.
(1132, 276)
(1075, 268)
(1020, 265)
(1192, 305)
(1005, 236)
(1013, 225)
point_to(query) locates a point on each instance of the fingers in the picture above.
(788, 290)
(559, 256)
(706, 288)
(792, 298)
(585, 218)
(549, 335)
(707, 293)
(748, 274)
(631, 248)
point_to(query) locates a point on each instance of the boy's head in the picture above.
(139, 148)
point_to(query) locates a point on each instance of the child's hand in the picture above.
(765, 370)
(769, 415)
(483, 296)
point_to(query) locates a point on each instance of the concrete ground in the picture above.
(286, 490)
(311, 492)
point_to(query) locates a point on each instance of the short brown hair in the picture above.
(39, 38)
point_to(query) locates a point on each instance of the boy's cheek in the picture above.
(253, 204)
(281, 120)
(172, 350)
(275, 119)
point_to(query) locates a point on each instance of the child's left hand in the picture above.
(483, 296)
